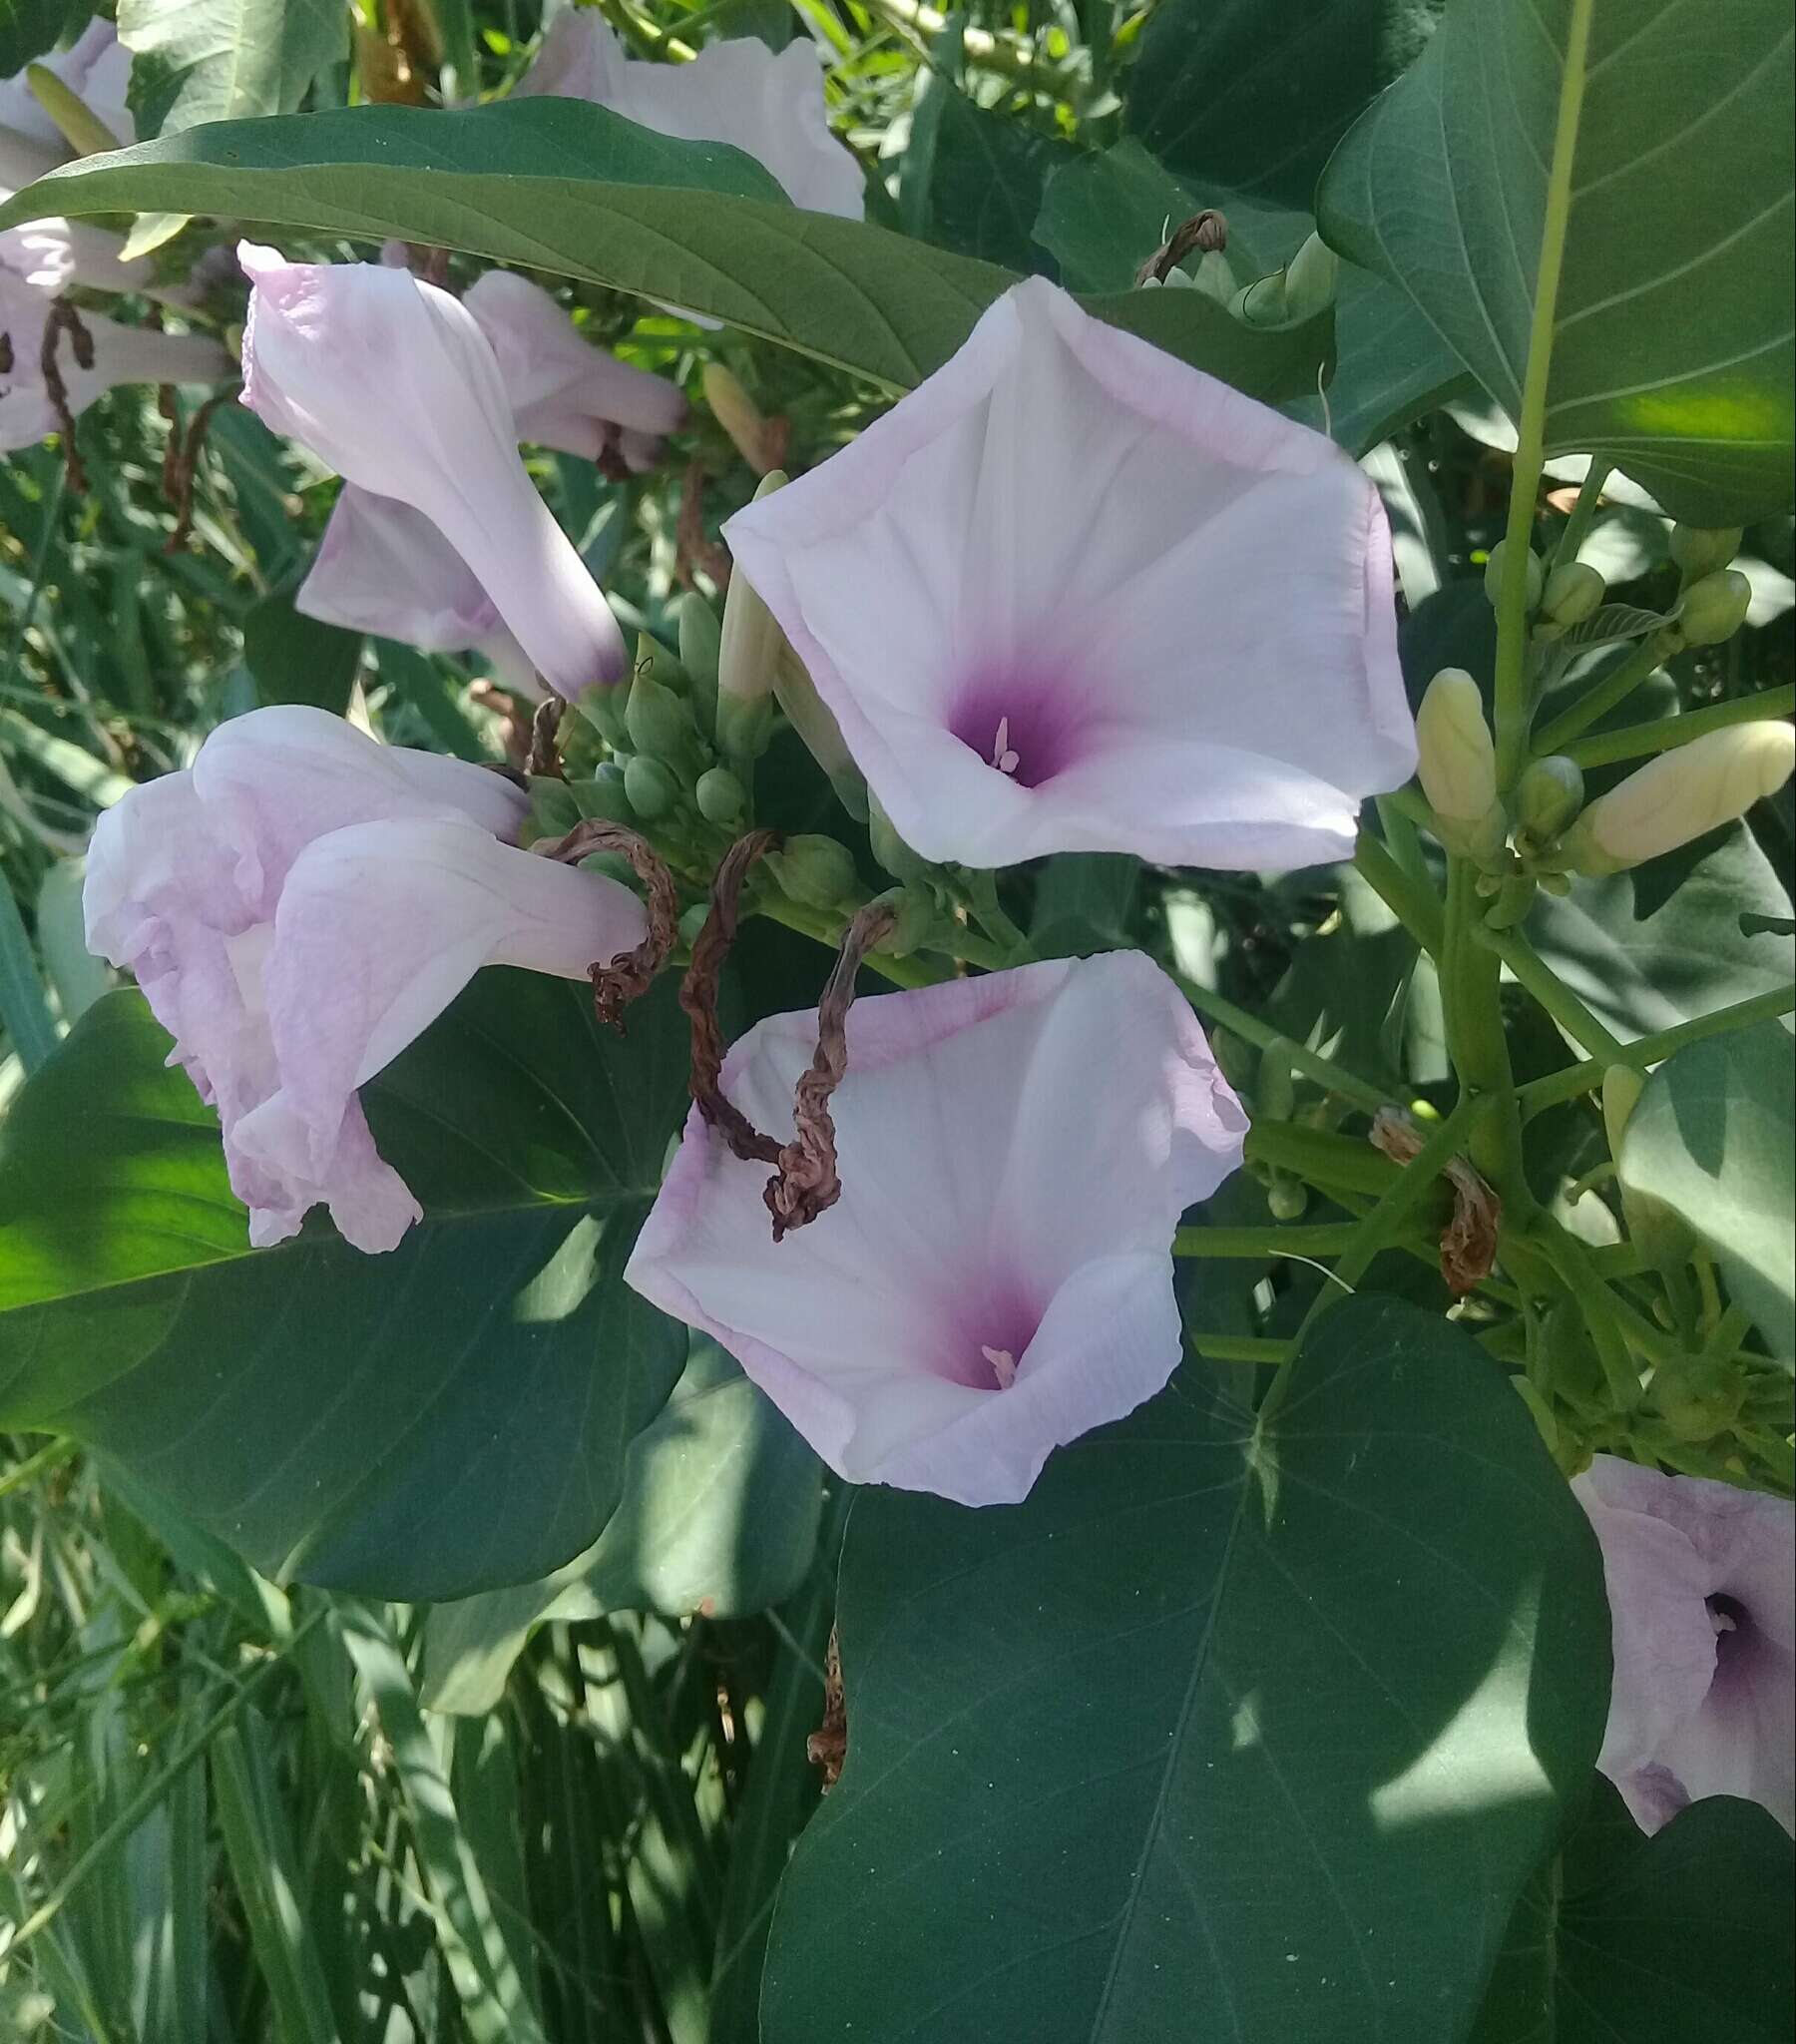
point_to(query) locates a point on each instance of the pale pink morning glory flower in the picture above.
(770, 105)
(383, 567)
(1702, 1600)
(393, 384)
(300, 906)
(996, 1277)
(121, 354)
(564, 392)
(1072, 595)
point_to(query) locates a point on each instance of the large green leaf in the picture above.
(1672, 334)
(1253, 94)
(568, 188)
(1103, 215)
(225, 60)
(1677, 1939)
(1711, 1139)
(448, 1417)
(985, 185)
(296, 659)
(718, 1517)
(1227, 1732)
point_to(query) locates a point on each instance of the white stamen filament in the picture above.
(1004, 1365)
(1003, 757)
(1723, 1622)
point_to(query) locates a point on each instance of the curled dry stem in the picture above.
(545, 738)
(806, 1182)
(1207, 230)
(178, 469)
(623, 979)
(63, 319)
(698, 997)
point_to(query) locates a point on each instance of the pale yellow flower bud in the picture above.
(82, 128)
(747, 654)
(740, 416)
(1682, 795)
(1457, 760)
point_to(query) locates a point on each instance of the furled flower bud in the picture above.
(700, 642)
(1714, 608)
(1457, 760)
(1310, 279)
(659, 723)
(740, 417)
(1699, 550)
(83, 129)
(1682, 795)
(1549, 797)
(652, 790)
(1494, 572)
(1573, 593)
(747, 654)
(720, 798)
(815, 872)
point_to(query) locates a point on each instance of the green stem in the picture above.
(1386, 1221)
(1241, 1348)
(1664, 733)
(1601, 697)
(1539, 1094)
(982, 897)
(1512, 704)
(1471, 981)
(1532, 971)
(1413, 902)
(1578, 525)
(828, 929)
(1602, 1310)
(1321, 1239)
(1334, 1163)
(1251, 1030)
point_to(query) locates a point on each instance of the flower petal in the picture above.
(547, 364)
(319, 352)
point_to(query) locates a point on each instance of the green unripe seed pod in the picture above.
(604, 798)
(1495, 570)
(1714, 608)
(815, 872)
(652, 790)
(1547, 796)
(720, 798)
(659, 723)
(1573, 593)
(1699, 550)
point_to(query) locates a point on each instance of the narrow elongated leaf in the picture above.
(448, 1417)
(225, 60)
(296, 659)
(1179, 1746)
(572, 189)
(1672, 336)
(1711, 1138)
(1664, 1940)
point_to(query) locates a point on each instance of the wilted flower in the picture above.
(739, 92)
(1074, 595)
(564, 392)
(383, 567)
(121, 354)
(298, 908)
(392, 383)
(1701, 1586)
(996, 1277)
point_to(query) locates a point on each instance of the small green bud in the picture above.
(1547, 796)
(1514, 897)
(553, 807)
(652, 790)
(1573, 593)
(917, 918)
(744, 725)
(1456, 761)
(1286, 1197)
(653, 657)
(1700, 550)
(720, 798)
(701, 639)
(604, 798)
(748, 647)
(1275, 1089)
(1714, 608)
(815, 872)
(1682, 795)
(889, 849)
(1697, 1398)
(602, 708)
(1310, 279)
(1494, 574)
(659, 723)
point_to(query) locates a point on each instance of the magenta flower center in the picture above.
(1023, 722)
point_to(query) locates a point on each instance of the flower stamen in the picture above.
(1004, 758)
(1003, 1363)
